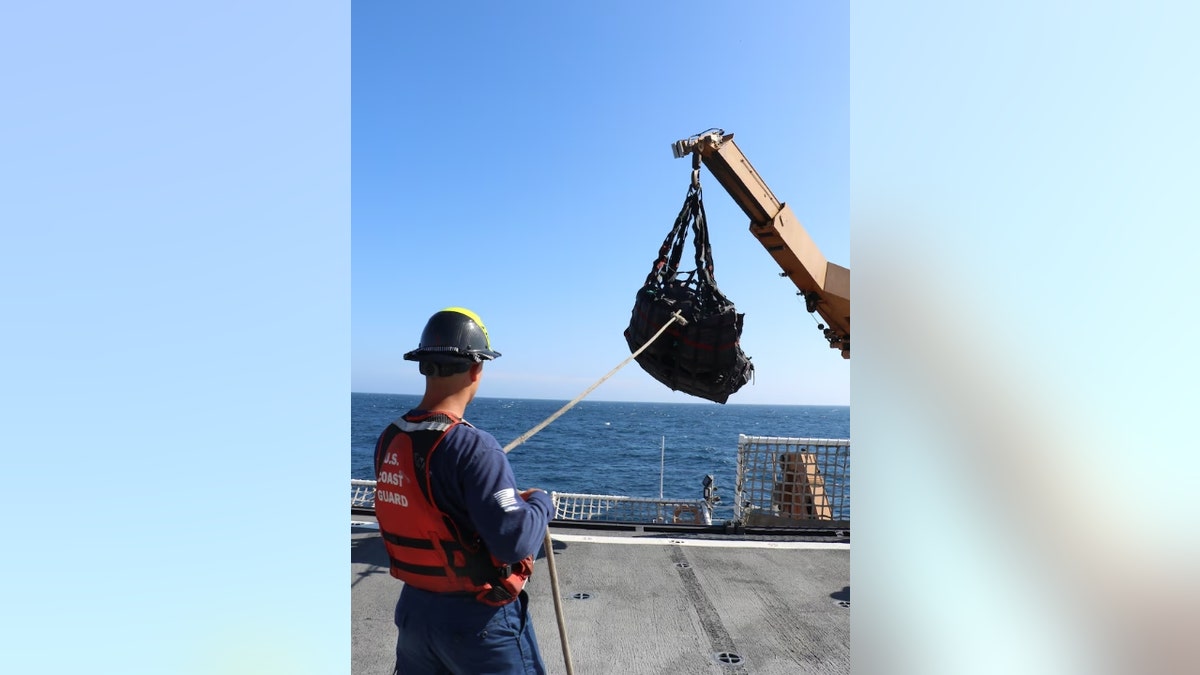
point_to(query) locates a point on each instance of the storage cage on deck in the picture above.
(792, 482)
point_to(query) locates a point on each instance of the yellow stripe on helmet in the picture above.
(474, 317)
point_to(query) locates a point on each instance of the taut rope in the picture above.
(549, 544)
(544, 423)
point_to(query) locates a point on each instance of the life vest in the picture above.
(426, 547)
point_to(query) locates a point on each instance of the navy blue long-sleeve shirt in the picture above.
(473, 483)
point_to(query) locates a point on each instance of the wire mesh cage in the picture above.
(792, 481)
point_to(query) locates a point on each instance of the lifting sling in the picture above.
(703, 357)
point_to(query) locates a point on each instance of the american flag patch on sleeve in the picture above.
(507, 499)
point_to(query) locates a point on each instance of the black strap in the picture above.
(477, 567)
(704, 255)
(666, 266)
(424, 570)
(407, 541)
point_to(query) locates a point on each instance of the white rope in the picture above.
(528, 434)
(558, 610)
(549, 543)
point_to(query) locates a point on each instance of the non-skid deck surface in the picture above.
(670, 603)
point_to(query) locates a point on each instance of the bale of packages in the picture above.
(703, 358)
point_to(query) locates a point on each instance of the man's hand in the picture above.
(525, 493)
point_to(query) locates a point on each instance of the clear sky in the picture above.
(515, 159)
(175, 286)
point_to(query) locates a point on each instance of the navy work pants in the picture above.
(442, 633)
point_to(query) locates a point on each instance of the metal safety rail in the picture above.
(595, 508)
(621, 509)
(362, 494)
(786, 482)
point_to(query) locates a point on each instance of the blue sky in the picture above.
(516, 160)
(176, 293)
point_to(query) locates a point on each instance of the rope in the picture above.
(546, 422)
(549, 543)
(558, 610)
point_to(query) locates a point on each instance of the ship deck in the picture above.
(646, 599)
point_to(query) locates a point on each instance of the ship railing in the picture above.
(789, 482)
(622, 509)
(596, 508)
(362, 494)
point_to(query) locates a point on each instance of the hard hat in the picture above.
(454, 334)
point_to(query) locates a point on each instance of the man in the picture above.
(457, 532)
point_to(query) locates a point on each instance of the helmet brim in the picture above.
(450, 354)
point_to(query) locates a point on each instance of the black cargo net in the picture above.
(704, 357)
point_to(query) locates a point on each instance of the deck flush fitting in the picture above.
(581, 596)
(728, 658)
(683, 565)
(842, 603)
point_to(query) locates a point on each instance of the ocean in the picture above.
(612, 448)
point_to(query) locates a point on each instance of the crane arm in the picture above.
(825, 286)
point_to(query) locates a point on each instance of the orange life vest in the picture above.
(426, 548)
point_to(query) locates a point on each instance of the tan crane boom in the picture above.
(824, 286)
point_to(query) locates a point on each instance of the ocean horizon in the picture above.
(613, 447)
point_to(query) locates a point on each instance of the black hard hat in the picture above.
(454, 333)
